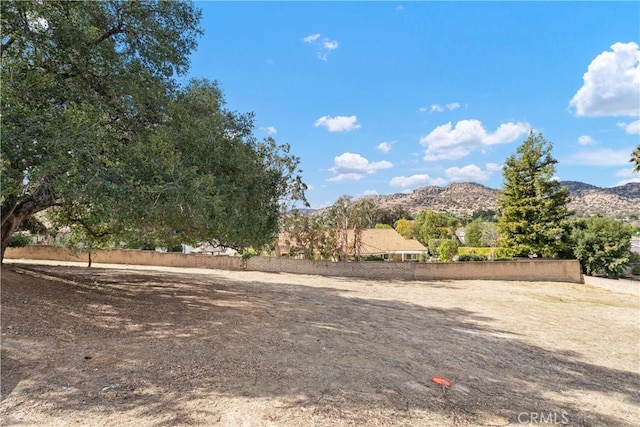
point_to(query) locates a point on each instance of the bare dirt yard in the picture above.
(132, 347)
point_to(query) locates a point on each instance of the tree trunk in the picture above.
(9, 225)
(15, 209)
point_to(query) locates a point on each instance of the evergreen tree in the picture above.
(533, 204)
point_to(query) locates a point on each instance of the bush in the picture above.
(464, 250)
(447, 250)
(603, 246)
(433, 246)
(636, 270)
(19, 241)
(471, 257)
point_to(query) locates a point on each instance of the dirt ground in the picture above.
(127, 347)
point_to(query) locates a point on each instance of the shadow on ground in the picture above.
(124, 340)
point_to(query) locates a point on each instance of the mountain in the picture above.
(468, 197)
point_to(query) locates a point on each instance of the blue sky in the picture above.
(386, 97)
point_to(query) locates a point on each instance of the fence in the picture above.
(526, 270)
(128, 257)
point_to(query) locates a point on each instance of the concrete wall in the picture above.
(129, 257)
(529, 270)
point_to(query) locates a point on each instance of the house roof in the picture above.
(373, 242)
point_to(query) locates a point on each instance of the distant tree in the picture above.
(305, 234)
(603, 245)
(447, 250)
(473, 233)
(635, 159)
(406, 228)
(533, 204)
(434, 225)
(490, 234)
(489, 215)
(390, 215)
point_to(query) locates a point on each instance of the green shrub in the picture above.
(471, 257)
(433, 245)
(19, 241)
(636, 270)
(374, 258)
(447, 250)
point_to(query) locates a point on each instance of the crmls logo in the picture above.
(555, 418)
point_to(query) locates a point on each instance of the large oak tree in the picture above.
(95, 125)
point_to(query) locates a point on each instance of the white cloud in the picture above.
(493, 167)
(338, 123)
(385, 146)
(586, 140)
(435, 108)
(370, 193)
(270, 130)
(352, 167)
(311, 38)
(611, 84)
(602, 157)
(447, 143)
(423, 109)
(631, 128)
(626, 173)
(330, 44)
(324, 45)
(415, 181)
(471, 173)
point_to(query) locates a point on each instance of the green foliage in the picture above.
(383, 227)
(472, 257)
(533, 204)
(406, 228)
(100, 127)
(433, 245)
(81, 82)
(389, 216)
(603, 246)
(476, 250)
(434, 225)
(473, 233)
(447, 250)
(487, 215)
(635, 159)
(19, 240)
(374, 258)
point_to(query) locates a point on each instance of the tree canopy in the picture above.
(533, 204)
(603, 245)
(96, 126)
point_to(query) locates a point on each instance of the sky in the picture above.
(386, 97)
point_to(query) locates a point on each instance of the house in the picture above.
(385, 243)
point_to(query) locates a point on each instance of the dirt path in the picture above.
(160, 348)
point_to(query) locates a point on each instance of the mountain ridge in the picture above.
(464, 198)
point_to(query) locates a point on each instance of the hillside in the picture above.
(465, 198)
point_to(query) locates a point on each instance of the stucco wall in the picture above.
(130, 257)
(530, 270)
